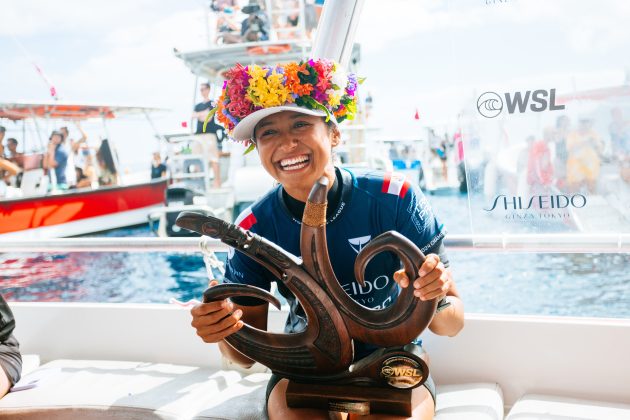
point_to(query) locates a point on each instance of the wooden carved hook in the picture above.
(324, 349)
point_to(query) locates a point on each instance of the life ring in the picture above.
(269, 49)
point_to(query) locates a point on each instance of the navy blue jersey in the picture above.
(371, 203)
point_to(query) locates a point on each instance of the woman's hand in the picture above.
(216, 320)
(433, 279)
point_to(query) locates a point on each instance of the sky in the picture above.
(434, 56)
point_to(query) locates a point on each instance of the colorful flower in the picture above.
(314, 84)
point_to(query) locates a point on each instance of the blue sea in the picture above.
(595, 285)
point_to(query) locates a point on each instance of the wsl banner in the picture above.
(544, 114)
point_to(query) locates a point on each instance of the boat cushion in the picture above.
(30, 362)
(89, 389)
(546, 407)
(93, 389)
(474, 401)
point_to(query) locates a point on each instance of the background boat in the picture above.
(37, 208)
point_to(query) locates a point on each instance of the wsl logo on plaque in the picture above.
(491, 104)
(401, 372)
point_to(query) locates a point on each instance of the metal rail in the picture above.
(548, 243)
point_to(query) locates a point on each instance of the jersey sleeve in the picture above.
(415, 220)
(242, 269)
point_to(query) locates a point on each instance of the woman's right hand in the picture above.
(216, 320)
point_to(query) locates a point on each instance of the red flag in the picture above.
(184, 124)
(417, 115)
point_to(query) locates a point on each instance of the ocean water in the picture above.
(595, 285)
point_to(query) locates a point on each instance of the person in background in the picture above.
(10, 358)
(75, 145)
(108, 177)
(8, 170)
(256, 26)
(584, 147)
(16, 157)
(3, 132)
(563, 127)
(158, 168)
(208, 139)
(295, 145)
(619, 130)
(56, 158)
(83, 181)
(539, 165)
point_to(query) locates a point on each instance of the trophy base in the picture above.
(349, 399)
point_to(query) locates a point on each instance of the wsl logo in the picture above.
(490, 104)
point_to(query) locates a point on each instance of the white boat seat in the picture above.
(30, 362)
(546, 407)
(32, 181)
(474, 401)
(93, 389)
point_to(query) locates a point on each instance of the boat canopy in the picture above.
(210, 63)
(64, 110)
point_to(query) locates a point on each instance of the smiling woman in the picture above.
(290, 114)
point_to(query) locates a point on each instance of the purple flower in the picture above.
(352, 84)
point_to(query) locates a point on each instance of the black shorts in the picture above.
(273, 381)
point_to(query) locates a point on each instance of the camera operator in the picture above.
(256, 26)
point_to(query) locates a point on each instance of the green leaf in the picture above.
(251, 147)
(208, 118)
(316, 105)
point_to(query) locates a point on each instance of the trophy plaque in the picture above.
(318, 361)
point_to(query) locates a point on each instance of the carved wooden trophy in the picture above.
(318, 360)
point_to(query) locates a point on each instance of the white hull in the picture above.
(576, 357)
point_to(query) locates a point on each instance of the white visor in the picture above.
(244, 130)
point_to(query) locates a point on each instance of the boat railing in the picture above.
(534, 243)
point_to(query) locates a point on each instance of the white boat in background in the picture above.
(144, 361)
(37, 209)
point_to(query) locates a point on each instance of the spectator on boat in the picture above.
(158, 168)
(83, 181)
(584, 148)
(310, 17)
(539, 166)
(256, 26)
(10, 358)
(75, 145)
(15, 157)
(563, 128)
(208, 139)
(56, 158)
(107, 173)
(620, 138)
(8, 170)
(222, 5)
(228, 31)
(295, 146)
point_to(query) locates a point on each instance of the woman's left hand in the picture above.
(433, 279)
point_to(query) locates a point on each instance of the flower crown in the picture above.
(316, 84)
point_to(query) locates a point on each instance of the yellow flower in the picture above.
(334, 98)
(267, 91)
